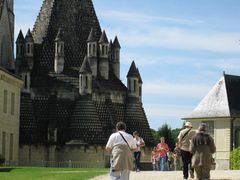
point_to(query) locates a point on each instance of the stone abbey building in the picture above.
(73, 96)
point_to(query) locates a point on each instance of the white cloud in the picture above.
(175, 89)
(159, 114)
(143, 18)
(176, 38)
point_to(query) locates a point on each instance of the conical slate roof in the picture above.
(20, 38)
(85, 68)
(76, 18)
(116, 43)
(223, 100)
(59, 36)
(29, 37)
(133, 71)
(91, 37)
(103, 38)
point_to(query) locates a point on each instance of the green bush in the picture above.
(235, 159)
(2, 160)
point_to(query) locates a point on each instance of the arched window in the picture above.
(86, 82)
(28, 48)
(94, 49)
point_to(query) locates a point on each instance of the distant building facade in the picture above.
(220, 110)
(73, 96)
(10, 86)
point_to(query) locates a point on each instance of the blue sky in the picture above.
(180, 47)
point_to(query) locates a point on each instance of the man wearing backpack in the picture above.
(184, 139)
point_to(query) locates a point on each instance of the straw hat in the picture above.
(188, 124)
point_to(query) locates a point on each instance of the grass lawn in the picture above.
(28, 173)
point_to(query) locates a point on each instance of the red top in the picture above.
(162, 149)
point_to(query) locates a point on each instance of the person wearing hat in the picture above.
(184, 139)
(202, 146)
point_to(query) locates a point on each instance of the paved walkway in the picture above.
(175, 175)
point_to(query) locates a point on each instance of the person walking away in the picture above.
(154, 159)
(177, 159)
(121, 145)
(184, 139)
(137, 154)
(202, 146)
(162, 149)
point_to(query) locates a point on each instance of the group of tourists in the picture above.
(193, 151)
(163, 158)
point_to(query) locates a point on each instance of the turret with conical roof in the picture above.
(133, 81)
(20, 42)
(92, 52)
(59, 52)
(103, 56)
(116, 57)
(29, 49)
(85, 78)
(20, 45)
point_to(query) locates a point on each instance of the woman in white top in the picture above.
(137, 154)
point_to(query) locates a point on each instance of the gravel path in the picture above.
(175, 175)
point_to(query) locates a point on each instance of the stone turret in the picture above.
(59, 52)
(85, 78)
(29, 49)
(92, 52)
(20, 42)
(133, 81)
(103, 56)
(115, 51)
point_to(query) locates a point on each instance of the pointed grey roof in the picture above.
(103, 38)
(139, 77)
(20, 38)
(116, 43)
(85, 68)
(110, 46)
(75, 18)
(29, 37)
(133, 71)
(223, 100)
(92, 37)
(59, 36)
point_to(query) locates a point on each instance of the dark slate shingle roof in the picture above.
(116, 43)
(20, 38)
(132, 71)
(103, 38)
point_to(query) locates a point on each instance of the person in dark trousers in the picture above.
(137, 154)
(184, 139)
(202, 146)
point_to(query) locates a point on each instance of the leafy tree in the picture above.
(235, 159)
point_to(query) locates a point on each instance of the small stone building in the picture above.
(73, 96)
(220, 110)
